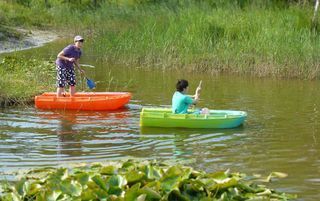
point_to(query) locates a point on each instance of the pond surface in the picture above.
(282, 132)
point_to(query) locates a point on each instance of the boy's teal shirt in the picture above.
(181, 103)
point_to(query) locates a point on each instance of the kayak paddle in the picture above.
(90, 83)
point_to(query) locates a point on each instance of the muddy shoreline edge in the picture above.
(31, 39)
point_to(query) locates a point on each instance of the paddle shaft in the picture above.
(87, 65)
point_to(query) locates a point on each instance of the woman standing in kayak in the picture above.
(66, 60)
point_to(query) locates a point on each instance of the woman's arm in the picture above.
(78, 66)
(197, 95)
(63, 57)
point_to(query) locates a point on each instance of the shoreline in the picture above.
(31, 39)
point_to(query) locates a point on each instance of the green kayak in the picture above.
(163, 117)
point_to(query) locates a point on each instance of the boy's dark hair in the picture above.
(181, 85)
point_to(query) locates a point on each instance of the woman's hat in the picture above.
(78, 38)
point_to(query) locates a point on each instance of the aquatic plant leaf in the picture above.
(108, 170)
(195, 185)
(41, 170)
(155, 185)
(82, 178)
(133, 193)
(10, 197)
(41, 173)
(22, 186)
(176, 195)
(151, 194)
(96, 165)
(100, 182)
(117, 181)
(72, 188)
(248, 189)
(141, 197)
(101, 194)
(218, 175)
(266, 192)
(258, 198)
(88, 194)
(62, 173)
(152, 173)
(115, 190)
(52, 195)
(128, 164)
(170, 183)
(195, 174)
(283, 196)
(173, 171)
(207, 182)
(221, 184)
(134, 176)
(225, 196)
(33, 189)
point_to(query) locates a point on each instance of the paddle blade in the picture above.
(90, 84)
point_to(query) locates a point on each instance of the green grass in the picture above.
(242, 38)
(22, 79)
(261, 42)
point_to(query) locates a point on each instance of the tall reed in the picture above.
(249, 38)
(262, 42)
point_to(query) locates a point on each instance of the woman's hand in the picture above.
(71, 59)
(81, 71)
(196, 96)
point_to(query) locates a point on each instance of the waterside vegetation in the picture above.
(274, 38)
(22, 79)
(139, 181)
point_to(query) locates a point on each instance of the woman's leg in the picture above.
(60, 91)
(71, 80)
(61, 80)
(72, 90)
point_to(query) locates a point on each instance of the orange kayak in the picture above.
(83, 101)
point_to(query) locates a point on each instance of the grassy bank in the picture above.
(22, 79)
(260, 42)
(259, 39)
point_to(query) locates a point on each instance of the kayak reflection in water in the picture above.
(181, 101)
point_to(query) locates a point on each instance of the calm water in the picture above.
(282, 132)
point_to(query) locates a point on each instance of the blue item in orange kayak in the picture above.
(90, 83)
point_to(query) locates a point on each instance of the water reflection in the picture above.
(70, 144)
(185, 144)
(76, 130)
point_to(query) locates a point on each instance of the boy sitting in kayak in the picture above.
(181, 101)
